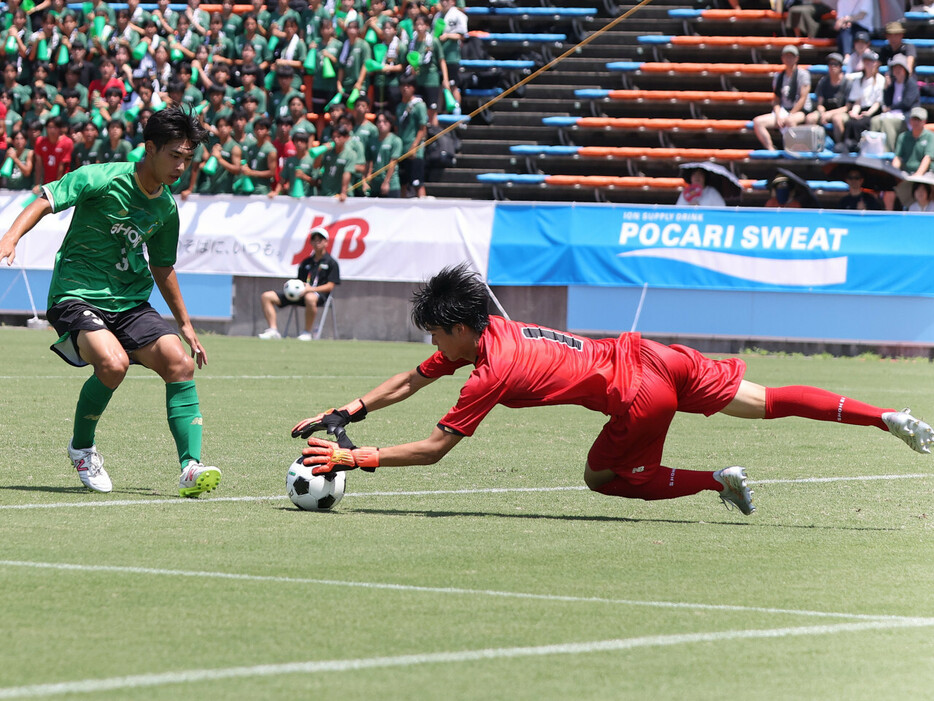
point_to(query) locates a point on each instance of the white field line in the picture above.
(148, 571)
(458, 657)
(420, 493)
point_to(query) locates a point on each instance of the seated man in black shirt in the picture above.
(321, 275)
(856, 198)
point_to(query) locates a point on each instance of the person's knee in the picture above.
(594, 479)
(111, 367)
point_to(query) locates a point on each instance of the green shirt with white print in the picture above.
(102, 259)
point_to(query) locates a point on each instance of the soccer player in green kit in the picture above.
(101, 282)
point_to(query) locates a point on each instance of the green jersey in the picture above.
(222, 180)
(101, 259)
(411, 117)
(369, 137)
(386, 150)
(82, 154)
(257, 158)
(109, 153)
(333, 167)
(18, 181)
(287, 174)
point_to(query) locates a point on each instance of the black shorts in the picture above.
(285, 301)
(412, 172)
(429, 94)
(134, 328)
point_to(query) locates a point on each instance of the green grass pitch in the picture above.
(491, 575)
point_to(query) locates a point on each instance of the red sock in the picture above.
(667, 483)
(821, 405)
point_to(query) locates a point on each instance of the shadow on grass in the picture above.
(604, 519)
(76, 490)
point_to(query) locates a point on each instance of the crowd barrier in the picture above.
(738, 272)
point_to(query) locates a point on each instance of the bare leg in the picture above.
(311, 310)
(270, 302)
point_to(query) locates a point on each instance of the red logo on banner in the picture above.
(349, 233)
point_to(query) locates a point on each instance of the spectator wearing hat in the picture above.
(320, 273)
(791, 99)
(833, 89)
(782, 193)
(864, 101)
(853, 16)
(895, 46)
(900, 96)
(914, 148)
(853, 62)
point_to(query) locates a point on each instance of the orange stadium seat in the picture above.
(691, 95)
(663, 124)
(238, 9)
(741, 14)
(695, 40)
(717, 68)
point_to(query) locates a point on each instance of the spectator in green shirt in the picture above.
(87, 147)
(115, 148)
(354, 53)
(431, 74)
(229, 156)
(299, 116)
(412, 118)
(329, 49)
(260, 158)
(337, 165)
(300, 166)
(387, 152)
(13, 121)
(22, 158)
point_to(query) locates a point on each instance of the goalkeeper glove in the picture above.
(332, 419)
(327, 457)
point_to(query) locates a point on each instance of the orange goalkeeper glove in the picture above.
(332, 419)
(327, 457)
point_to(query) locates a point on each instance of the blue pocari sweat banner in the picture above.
(722, 249)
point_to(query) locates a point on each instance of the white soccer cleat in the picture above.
(197, 479)
(270, 333)
(735, 492)
(90, 466)
(304, 336)
(917, 434)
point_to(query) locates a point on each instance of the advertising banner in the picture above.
(372, 239)
(713, 249)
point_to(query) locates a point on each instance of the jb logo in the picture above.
(345, 238)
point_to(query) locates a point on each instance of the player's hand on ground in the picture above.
(331, 420)
(326, 457)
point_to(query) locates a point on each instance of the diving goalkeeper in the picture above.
(638, 383)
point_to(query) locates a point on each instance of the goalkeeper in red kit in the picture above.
(639, 384)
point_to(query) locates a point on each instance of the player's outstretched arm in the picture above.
(23, 223)
(328, 456)
(167, 282)
(393, 390)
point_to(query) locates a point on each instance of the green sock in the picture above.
(92, 401)
(184, 414)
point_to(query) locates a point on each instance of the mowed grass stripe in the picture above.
(60, 566)
(334, 666)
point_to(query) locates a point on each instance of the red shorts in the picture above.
(674, 378)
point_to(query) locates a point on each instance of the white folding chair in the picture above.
(297, 316)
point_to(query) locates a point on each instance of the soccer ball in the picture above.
(293, 289)
(314, 492)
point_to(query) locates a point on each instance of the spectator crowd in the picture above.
(301, 97)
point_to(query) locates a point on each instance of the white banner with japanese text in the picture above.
(372, 239)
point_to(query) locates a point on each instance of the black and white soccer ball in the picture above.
(293, 290)
(314, 492)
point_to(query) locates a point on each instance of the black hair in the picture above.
(69, 92)
(454, 296)
(57, 121)
(175, 86)
(285, 119)
(116, 123)
(262, 122)
(389, 117)
(113, 92)
(174, 123)
(407, 79)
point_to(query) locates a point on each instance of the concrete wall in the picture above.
(379, 311)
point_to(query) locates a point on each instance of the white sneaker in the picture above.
(304, 336)
(90, 466)
(270, 333)
(917, 434)
(196, 479)
(735, 491)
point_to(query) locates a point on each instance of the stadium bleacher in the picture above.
(678, 84)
